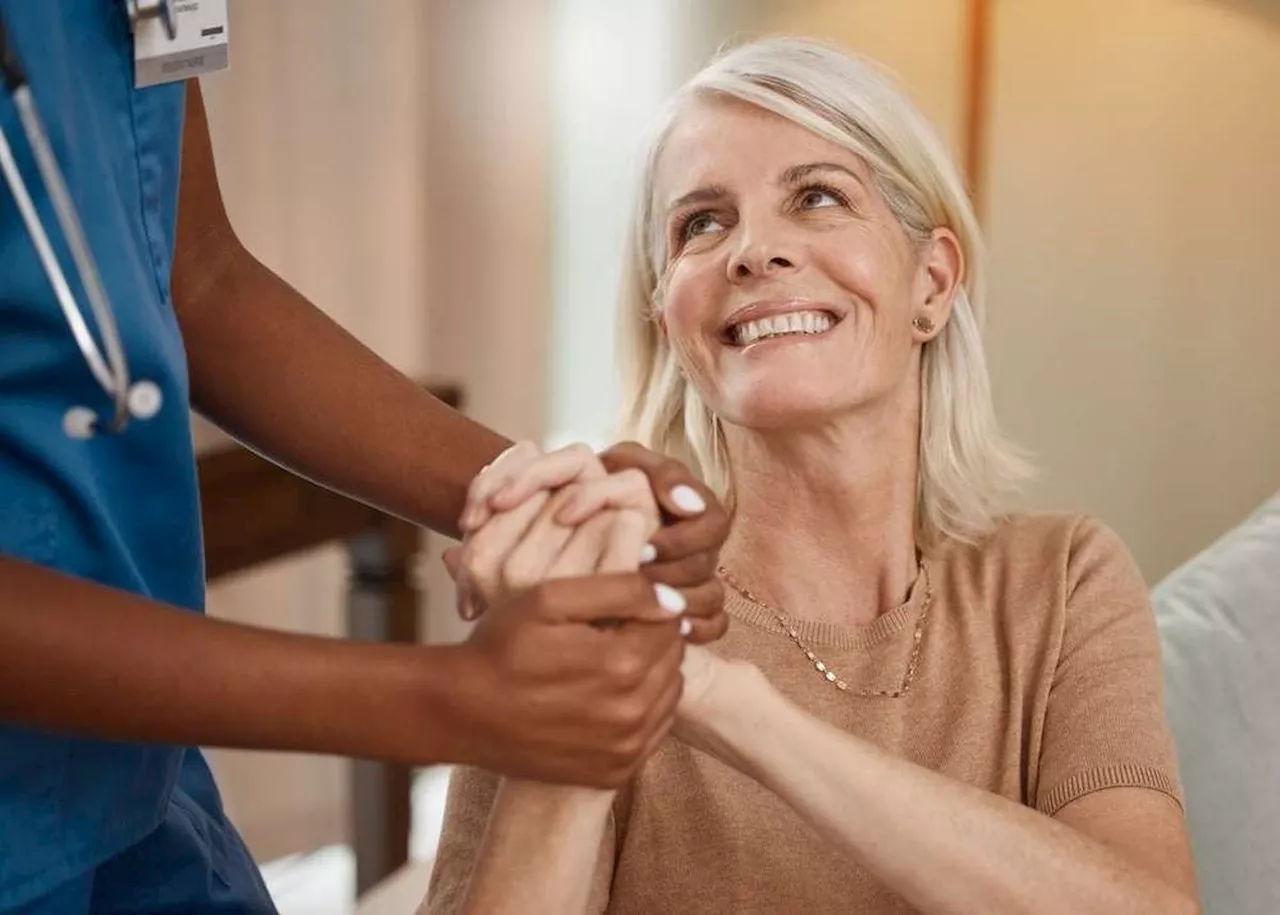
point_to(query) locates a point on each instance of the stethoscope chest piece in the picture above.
(145, 399)
(139, 399)
(144, 402)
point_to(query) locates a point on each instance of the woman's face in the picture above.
(790, 287)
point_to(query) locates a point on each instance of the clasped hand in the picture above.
(590, 575)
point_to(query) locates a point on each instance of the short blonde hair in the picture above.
(966, 466)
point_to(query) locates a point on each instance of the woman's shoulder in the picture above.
(1048, 581)
(1035, 550)
(1060, 537)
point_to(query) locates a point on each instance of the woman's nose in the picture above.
(762, 252)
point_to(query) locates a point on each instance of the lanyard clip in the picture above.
(152, 9)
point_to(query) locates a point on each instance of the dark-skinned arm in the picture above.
(176, 677)
(536, 692)
(283, 378)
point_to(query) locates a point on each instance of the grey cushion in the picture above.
(1219, 618)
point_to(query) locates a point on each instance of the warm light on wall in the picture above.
(977, 66)
(612, 67)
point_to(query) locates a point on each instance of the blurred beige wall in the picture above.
(921, 41)
(1132, 201)
(486, 171)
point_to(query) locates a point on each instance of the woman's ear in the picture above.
(941, 275)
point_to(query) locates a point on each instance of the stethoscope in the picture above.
(140, 399)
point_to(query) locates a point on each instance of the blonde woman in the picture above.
(924, 703)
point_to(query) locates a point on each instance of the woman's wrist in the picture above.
(734, 719)
(559, 809)
(778, 745)
(561, 796)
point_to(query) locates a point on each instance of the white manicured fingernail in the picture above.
(505, 451)
(670, 599)
(687, 499)
(648, 554)
(686, 626)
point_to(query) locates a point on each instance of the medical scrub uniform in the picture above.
(88, 825)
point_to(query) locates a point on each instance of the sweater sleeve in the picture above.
(1105, 723)
(472, 793)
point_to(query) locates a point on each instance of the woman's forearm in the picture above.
(540, 851)
(947, 848)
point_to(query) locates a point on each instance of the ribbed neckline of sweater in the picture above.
(834, 635)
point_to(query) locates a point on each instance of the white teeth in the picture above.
(799, 322)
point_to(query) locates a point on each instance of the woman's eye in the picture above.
(819, 197)
(699, 224)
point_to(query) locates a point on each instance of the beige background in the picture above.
(402, 170)
(1132, 208)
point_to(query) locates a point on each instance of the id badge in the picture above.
(198, 46)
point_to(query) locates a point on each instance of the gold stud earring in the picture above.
(922, 324)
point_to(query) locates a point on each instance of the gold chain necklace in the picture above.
(821, 666)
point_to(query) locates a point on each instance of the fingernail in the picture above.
(686, 626)
(670, 599)
(687, 499)
(648, 554)
(505, 451)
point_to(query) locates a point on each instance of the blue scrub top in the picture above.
(121, 510)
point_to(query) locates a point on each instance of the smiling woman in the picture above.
(866, 200)
(925, 703)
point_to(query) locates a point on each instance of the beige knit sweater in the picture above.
(1038, 678)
